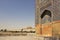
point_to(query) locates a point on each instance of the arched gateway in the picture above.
(46, 16)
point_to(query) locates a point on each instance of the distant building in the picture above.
(28, 29)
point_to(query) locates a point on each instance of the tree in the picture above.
(21, 30)
(5, 30)
(1, 29)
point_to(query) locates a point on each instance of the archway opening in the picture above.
(46, 16)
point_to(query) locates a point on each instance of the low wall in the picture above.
(48, 29)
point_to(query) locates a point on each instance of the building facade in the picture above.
(46, 11)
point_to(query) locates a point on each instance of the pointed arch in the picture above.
(46, 12)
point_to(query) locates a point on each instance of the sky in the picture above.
(17, 13)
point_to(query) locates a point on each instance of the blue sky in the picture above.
(17, 13)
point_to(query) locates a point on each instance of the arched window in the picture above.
(46, 16)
